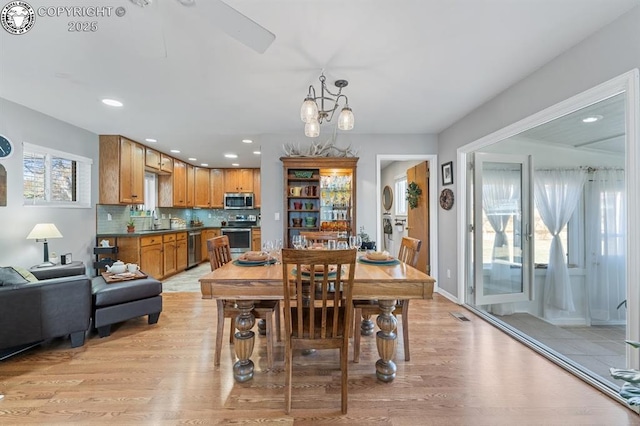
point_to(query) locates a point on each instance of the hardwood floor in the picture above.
(461, 372)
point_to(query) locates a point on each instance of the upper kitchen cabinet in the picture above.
(179, 183)
(256, 188)
(122, 164)
(238, 180)
(216, 179)
(157, 162)
(191, 185)
(202, 187)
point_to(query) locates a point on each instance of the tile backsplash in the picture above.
(113, 219)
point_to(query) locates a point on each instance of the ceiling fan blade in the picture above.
(237, 25)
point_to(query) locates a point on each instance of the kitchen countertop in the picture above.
(157, 231)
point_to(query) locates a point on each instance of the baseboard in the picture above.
(448, 295)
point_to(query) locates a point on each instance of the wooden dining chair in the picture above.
(269, 310)
(320, 315)
(409, 249)
(319, 237)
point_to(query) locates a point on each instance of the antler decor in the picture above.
(325, 149)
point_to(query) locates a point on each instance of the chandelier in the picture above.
(316, 109)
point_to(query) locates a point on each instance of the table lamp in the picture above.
(41, 232)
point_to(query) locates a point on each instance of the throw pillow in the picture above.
(9, 276)
(26, 274)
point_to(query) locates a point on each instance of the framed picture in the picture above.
(447, 173)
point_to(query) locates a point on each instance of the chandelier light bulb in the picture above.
(312, 129)
(309, 110)
(345, 120)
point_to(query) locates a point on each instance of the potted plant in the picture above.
(367, 244)
(131, 227)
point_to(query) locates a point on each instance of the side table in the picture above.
(57, 271)
(103, 258)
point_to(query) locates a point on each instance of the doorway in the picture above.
(385, 160)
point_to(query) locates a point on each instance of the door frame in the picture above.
(629, 83)
(433, 201)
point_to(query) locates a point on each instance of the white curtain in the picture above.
(557, 193)
(500, 201)
(606, 229)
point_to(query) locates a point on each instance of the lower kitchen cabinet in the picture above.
(151, 256)
(256, 239)
(169, 254)
(207, 234)
(181, 251)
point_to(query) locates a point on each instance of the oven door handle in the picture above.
(236, 230)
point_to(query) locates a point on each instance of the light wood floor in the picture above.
(461, 373)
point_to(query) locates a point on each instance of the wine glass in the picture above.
(277, 250)
(267, 248)
(342, 245)
(296, 240)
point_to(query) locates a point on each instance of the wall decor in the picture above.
(6, 147)
(447, 173)
(446, 199)
(3, 186)
(413, 192)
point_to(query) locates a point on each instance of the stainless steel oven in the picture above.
(239, 239)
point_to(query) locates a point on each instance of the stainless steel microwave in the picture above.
(238, 200)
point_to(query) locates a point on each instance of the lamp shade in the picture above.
(43, 231)
(309, 110)
(345, 120)
(312, 129)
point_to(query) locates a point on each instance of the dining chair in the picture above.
(319, 237)
(409, 249)
(319, 317)
(269, 310)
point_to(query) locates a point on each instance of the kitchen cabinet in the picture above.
(191, 185)
(256, 188)
(179, 183)
(256, 239)
(122, 164)
(166, 163)
(169, 254)
(152, 160)
(238, 180)
(216, 179)
(181, 251)
(206, 235)
(202, 188)
(319, 195)
(151, 259)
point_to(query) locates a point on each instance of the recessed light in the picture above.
(235, 164)
(592, 119)
(231, 155)
(151, 140)
(192, 159)
(175, 151)
(247, 141)
(112, 102)
(257, 152)
(205, 164)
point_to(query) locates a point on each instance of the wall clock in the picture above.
(6, 147)
(446, 199)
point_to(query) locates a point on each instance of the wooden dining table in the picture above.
(385, 283)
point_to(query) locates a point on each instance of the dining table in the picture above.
(385, 282)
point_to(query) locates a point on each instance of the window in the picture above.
(55, 178)
(401, 191)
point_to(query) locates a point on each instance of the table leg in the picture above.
(366, 326)
(244, 340)
(386, 340)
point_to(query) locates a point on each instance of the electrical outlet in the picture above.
(448, 273)
(209, 215)
(277, 216)
(109, 216)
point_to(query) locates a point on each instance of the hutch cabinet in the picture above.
(319, 195)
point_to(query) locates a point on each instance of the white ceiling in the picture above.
(413, 66)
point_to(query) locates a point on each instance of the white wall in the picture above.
(20, 124)
(608, 53)
(368, 146)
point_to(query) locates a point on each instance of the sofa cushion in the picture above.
(12, 275)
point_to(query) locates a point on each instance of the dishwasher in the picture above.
(194, 248)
